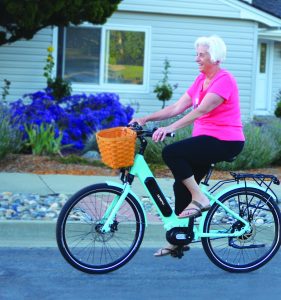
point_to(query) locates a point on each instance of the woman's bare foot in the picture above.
(170, 250)
(195, 209)
(165, 251)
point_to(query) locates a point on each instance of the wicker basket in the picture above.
(117, 146)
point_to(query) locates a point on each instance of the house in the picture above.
(126, 55)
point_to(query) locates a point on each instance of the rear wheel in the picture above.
(79, 235)
(253, 249)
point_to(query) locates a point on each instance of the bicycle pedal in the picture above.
(177, 255)
(179, 252)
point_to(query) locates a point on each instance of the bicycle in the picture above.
(101, 227)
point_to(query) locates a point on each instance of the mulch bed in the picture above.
(24, 163)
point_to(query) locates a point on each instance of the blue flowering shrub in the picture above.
(76, 117)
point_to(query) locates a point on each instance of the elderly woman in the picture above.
(217, 132)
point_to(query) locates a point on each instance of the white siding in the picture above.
(215, 8)
(276, 74)
(173, 37)
(22, 63)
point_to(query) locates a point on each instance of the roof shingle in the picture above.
(270, 6)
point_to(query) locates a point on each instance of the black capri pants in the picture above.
(194, 156)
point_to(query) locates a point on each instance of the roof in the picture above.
(235, 9)
(272, 7)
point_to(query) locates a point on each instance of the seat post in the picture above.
(208, 175)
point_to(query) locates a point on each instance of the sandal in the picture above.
(197, 211)
(163, 252)
(169, 251)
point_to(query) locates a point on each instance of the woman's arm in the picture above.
(170, 111)
(210, 102)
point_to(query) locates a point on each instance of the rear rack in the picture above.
(264, 180)
(258, 178)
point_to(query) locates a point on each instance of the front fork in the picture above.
(113, 208)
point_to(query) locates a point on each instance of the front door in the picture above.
(263, 84)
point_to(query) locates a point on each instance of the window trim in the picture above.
(102, 86)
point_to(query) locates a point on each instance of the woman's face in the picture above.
(203, 59)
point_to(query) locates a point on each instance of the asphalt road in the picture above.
(41, 273)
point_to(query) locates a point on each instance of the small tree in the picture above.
(21, 19)
(164, 90)
(5, 91)
(59, 87)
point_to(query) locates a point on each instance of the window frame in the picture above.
(102, 85)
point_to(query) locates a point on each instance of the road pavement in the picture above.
(41, 273)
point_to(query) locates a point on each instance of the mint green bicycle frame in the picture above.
(141, 170)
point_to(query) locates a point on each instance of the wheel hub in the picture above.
(101, 236)
(247, 236)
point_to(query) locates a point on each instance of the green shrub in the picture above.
(274, 128)
(262, 147)
(11, 137)
(153, 153)
(60, 88)
(260, 150)
(277, 111)
(91, 143)
(43, 140)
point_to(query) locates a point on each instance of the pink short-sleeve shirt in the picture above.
(223, 122)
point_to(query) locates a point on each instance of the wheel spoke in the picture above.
(79, 236)
(253, 249)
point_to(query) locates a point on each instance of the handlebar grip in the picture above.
(172, 134)
(140, 131)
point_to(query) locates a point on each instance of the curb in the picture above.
(43, 234)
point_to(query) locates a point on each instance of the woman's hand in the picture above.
(160, 133)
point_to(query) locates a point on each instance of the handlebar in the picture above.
(141, 132)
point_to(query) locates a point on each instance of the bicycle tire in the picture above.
(81, 242)
(250, 251)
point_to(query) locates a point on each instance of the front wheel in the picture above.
(80, 238)
(253, 249)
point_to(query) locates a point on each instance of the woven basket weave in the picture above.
(117, 146)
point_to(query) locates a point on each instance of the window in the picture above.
(263, 57)
(106, 57)
(82, 55)
(125, 57)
